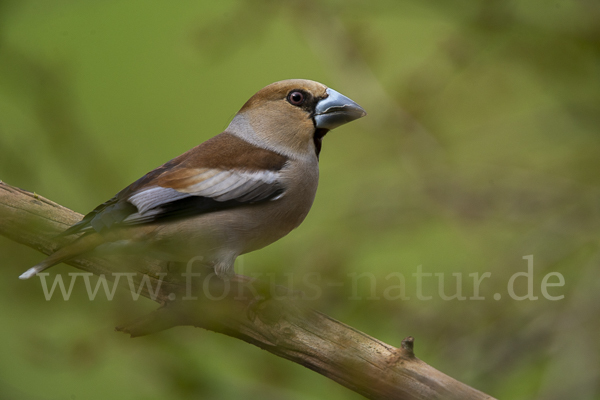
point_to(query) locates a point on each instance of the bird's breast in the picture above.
(276, 218)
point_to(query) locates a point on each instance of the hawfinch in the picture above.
(235, 193)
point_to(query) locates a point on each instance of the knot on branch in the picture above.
(407, 346)
(404, 352)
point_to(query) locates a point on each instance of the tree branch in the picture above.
(279, 324)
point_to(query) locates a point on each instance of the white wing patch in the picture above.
(219, 185)
(151, 197)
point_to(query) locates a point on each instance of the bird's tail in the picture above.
(47, 263)
(81, 245)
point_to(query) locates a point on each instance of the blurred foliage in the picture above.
(481, 146)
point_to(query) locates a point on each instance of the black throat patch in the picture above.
(318, 139)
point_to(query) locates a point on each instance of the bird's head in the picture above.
(292, 116)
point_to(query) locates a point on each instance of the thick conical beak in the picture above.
(335, 110)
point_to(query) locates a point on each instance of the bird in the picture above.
(237, 192)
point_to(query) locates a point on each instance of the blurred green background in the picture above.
(481, 146)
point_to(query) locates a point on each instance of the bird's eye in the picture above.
(296, 98)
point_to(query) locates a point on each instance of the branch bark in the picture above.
(277, 323)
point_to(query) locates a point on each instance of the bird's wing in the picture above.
(221, 173)
(207, 191)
